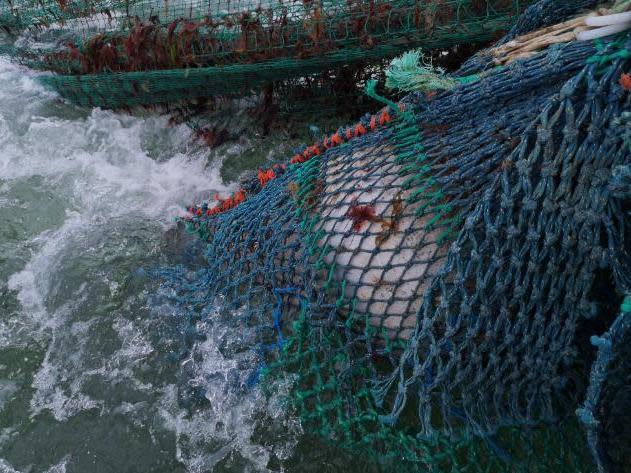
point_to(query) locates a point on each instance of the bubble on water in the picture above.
(5, 467)
(60, 467)
(7, 389)
(69, 366)
(235, 415)
(134, 346)
(57, 383)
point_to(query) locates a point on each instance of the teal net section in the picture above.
(116, 54)
(430, 280)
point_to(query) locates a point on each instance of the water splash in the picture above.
(85, 199)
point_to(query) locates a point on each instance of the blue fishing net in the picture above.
(430, 288)
(607, 410)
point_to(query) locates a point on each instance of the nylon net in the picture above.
(607, 408)
(136, 52)
(429, 279)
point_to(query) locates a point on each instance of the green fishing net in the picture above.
(140, 52)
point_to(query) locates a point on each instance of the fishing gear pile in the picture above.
(124, 53)
(446, 284)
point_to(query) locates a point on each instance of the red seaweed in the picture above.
(361, 214)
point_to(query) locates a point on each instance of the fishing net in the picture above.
(296, 108)
(429, 279)
(607, 410)
(138, 52)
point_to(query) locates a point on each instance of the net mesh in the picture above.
(139, 52)
(607, 408)
(430, 287)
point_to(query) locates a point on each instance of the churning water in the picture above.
(87, 201)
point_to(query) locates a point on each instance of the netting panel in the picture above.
(160, 51)
(503, 202)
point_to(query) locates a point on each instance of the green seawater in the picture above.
(87, 205)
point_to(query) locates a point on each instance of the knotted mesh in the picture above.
(430, 288)
(112, 53)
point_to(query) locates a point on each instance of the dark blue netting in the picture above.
(607, 410)
(546, 13)
(431, 288)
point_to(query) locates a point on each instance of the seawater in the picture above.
(88, 200)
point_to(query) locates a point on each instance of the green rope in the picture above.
(371, 91)
(412, 71)
(621, 6)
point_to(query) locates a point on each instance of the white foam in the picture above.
(109, 172)
(5, 467)
(234, 412)
(60, 467)
(7, 390)
(102, 167)
(59, 380)
(99, 167)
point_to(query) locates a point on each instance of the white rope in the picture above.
(603, 32)
(598, 24)
(607, 25)
(606, 20)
